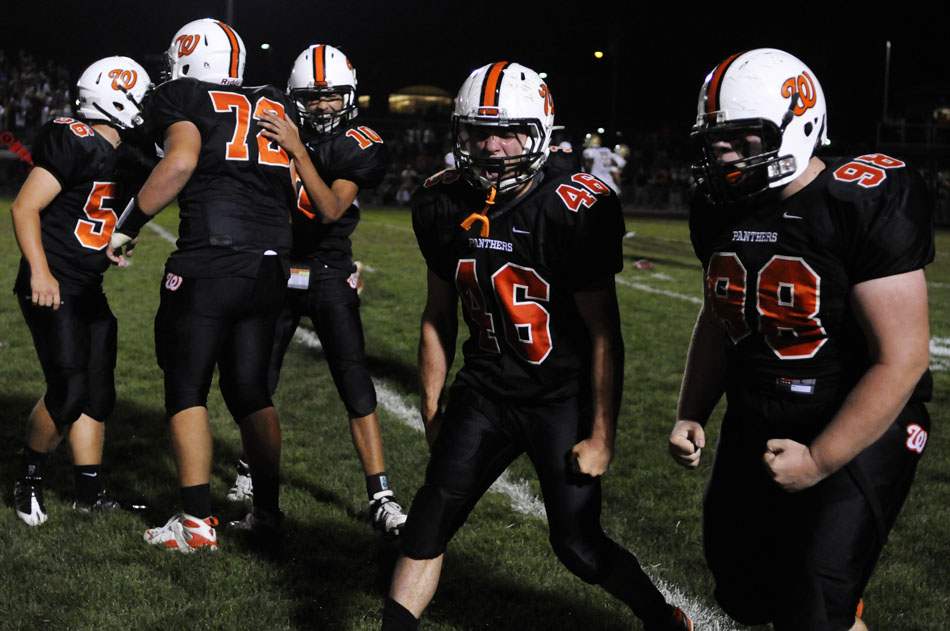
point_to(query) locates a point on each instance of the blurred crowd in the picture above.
(654, 178)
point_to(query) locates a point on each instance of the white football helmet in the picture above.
(112, 90)
(766, 106)
(506, 97)
(206, 50)
(318, 71)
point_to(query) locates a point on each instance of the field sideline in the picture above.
(82, 573)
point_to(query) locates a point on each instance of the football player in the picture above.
(63, 217)
(602, 162)
(224, 284)
(335, 157)
(814, 325)
(532, 254)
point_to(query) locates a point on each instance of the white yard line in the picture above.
(664, 292)
(940, 353)
(518, 491)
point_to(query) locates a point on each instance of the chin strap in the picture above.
(482, 216)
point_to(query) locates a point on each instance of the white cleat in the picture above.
(387, 515)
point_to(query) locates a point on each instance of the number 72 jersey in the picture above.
(778, 274)
(517, 283)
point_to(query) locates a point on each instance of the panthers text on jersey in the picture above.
(356, 153)
(77, 224)
(517, 284)
(778, 275)
(238, 201)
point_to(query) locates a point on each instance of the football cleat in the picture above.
(184, 533)
(387, 515)
(28, 500)
(679, 621)
(105, 503)
(243, 487)
(261, 523)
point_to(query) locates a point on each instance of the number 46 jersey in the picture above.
(778, 274)
(517, 283)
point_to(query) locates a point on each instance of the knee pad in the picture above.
(427, 531)
(588, 557)
(243, 399)
(66, 397)
(357, 392)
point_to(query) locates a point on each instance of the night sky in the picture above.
(648, 81)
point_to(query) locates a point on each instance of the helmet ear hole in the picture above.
(808, 128)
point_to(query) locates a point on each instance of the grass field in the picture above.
(76, 572)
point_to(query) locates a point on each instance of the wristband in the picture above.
(132, 220)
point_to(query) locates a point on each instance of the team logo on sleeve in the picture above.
(172, 281)
(916, 438)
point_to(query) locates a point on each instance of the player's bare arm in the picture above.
(331, 201)
(703, 386)
(893, 314)
(182, 146)
(36, 194)
(599, 311)
(436, 350)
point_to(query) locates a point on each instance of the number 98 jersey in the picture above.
(778, 274)
(527, 340)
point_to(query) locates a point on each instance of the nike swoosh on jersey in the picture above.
(516, 231)
(788, 216)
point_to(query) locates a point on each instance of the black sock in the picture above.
(267, 493)
(196, 500)
(398, 618)
(32, 463)
(376, 483)
(88, 483)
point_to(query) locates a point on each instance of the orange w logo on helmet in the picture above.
(123, 78)
(804, 86)
(187, 44)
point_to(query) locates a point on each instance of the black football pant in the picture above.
(226, 321)
(802, 560)
(479, 438)
(76, 346)
(334, 308)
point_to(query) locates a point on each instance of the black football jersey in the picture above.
(778, 274)
(77, 224)
(355, 153)
(527, 340)
(238, 201)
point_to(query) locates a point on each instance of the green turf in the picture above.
(80, 573)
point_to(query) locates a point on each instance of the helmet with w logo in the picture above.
(761, 117)
(112, 90)
(321, 71)
(499, 99)
(206, 50)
